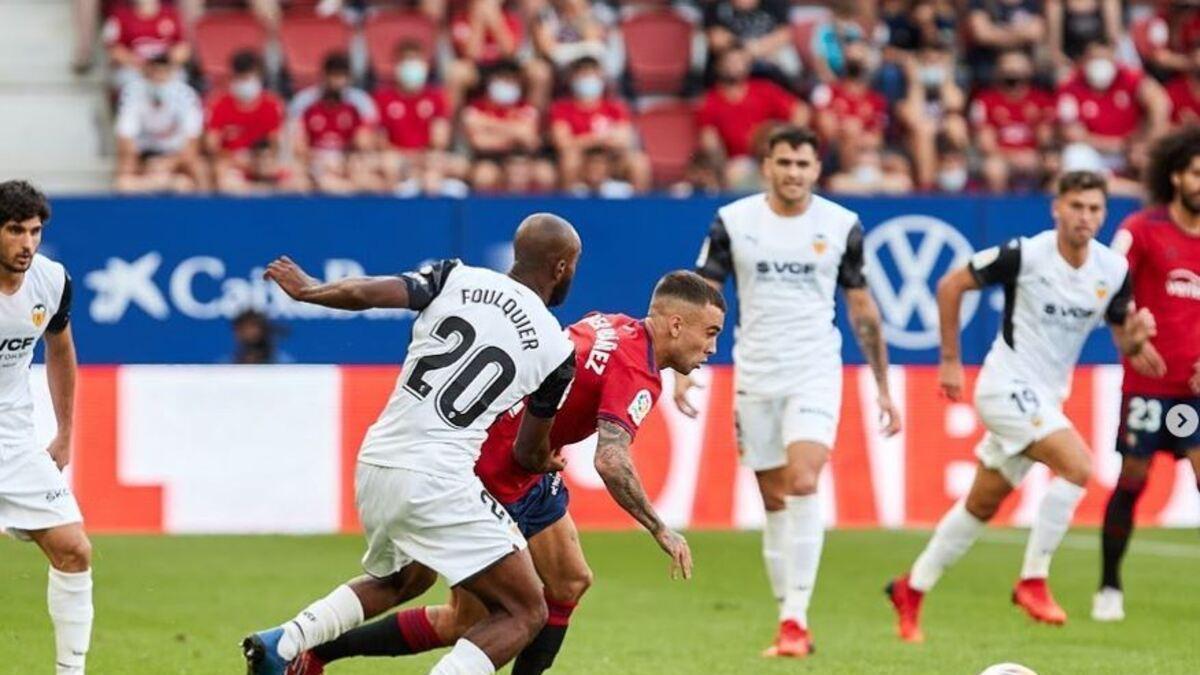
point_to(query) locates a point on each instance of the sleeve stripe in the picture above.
(609, 417)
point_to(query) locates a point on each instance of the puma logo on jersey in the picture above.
(38, 315)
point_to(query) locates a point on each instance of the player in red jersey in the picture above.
(1161, 394)
(617, 383)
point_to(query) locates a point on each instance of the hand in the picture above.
(683, 383)
(889, 416)
(556, 462)
(1194, 381)
(675, 546)
(290, 277)
(950, 379)
(1140, 327)
(60, 451)
(1148, 362)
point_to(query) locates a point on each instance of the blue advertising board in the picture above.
(157, 280)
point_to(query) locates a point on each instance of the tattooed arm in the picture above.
(868, 329)
(615, 466)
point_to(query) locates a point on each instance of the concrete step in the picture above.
(38, 41)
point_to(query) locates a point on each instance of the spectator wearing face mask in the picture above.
(953, 174)
(867, 173)
(934, 105)
(912, 25)
(1011, 119)
(735, 108)
(140, 31)
(592, 118)
(498, 124)
(998, 25)
(243, 127)
(1072, 24)
(159, 122)
(1184, 93)
(601, 176)
(333, 133)
(485, 34)
(414, 122)
(850, 115)
(1107, 105)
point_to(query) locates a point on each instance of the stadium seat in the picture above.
(219, 35)
(306, 38)
(669, 134)
(658, 48)
(385, 30)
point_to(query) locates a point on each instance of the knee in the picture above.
(532, 616)
(982, 508)
(1077, 472)
(804, 483)
(570, 590)
(73, 557)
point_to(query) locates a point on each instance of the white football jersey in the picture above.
(481, 343)
(43, 302)
(1050, 308)
(786, 271)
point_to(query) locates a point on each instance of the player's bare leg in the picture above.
(1065, 453)
(69, 594)
(560, 563)
(1108, 603)
(802, 542)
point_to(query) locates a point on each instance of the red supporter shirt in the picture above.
(1015, 120)
(736, 121)
(1185, 104)
(241, 127)
(588, 119)
(460, 33)
(616, 379)
(146, 37)
(408, 118)
(868, 106)
(1164, 264)
(331, 126)
(1114, 113)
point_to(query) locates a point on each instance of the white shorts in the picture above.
(34, 495)
(767, 425)
(1016, 415)
(450, 525)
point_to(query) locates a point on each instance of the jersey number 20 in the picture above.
(503, 371)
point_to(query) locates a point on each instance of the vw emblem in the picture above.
(905, 257)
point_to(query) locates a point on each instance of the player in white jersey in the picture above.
(482, 342)
(788, 250)
(1058, 286)
(36, 503)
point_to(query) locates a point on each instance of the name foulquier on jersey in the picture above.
(511, 308)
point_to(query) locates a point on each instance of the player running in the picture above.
(1058, 286)
(788, 251)
(1162, 245)
(36, 503)
(617, 382)
(482, 341)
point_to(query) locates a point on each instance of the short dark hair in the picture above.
(794, 136)
(409, 45)
(336, 63)
(689, 287)
(1170, 155)
(1078, 181)
(581, 63)
(506, 67)
(20, 201)
(246, 61)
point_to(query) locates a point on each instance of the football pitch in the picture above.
(181, 604)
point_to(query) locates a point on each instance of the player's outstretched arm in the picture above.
(615, 466)
(868, 329)
(60, 373)
(356, 293)
(950, 291)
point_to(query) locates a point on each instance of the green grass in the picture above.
(180, 605)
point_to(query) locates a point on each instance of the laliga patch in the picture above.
(640, 407)
(38, 315)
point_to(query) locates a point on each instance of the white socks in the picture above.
(774, 551)
(955, 533)
(464, 659)
(69, 599)
(1049, 527)
(321, 622)
(805, 537)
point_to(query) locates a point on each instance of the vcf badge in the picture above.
(38, 315)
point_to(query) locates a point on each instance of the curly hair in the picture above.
(1170, 155)
(20, 200)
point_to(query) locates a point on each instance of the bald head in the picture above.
(545, 251)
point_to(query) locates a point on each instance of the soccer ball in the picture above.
(1007, 669)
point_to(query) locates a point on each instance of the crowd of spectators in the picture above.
(535, 96)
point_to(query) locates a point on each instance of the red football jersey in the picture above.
(147, 37)
(1185, 101)
(242, 127)
(736, 121)
(408, 118)
(331, 126)
(460, 33)
(1114, 113)
(1014, 119)
(1164, 264)
(868, 106)
(588, 119)
(616, 379)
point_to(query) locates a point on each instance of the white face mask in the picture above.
(868, 174)
(411, 73)
(1100, 73)
(932, 76)
(588, 87)
(246, 90)
(504, 92)
(952, 180)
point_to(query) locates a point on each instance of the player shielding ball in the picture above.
(618, 361)
(1058, 286)
(482, 342)
(36, 503)
(788, 251)
(1162, 245)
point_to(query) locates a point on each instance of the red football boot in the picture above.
(1033, 596)
(792, 641)
(305, 664)
(906, 600)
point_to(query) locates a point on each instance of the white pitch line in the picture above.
(1081, 542)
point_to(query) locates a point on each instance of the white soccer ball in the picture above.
(1007, 669)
